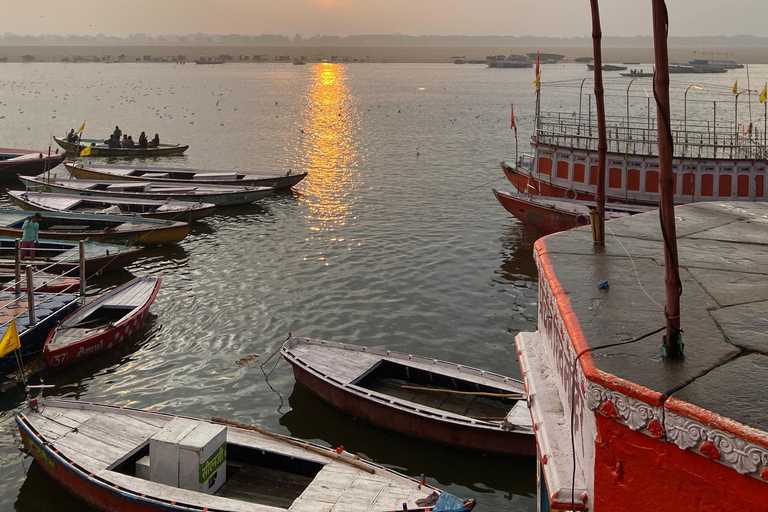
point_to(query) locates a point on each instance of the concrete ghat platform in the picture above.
(699, 424)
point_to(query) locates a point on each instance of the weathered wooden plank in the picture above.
(183, 496)
(76, 447)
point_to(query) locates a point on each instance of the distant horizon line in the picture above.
(392, 39)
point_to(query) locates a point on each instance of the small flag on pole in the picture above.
(537, 81)
(82, 127)
(86, 151)
(735, 87)
(764, 94)
(512, 124)
(10, 341)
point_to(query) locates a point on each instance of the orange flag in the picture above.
(513, 125)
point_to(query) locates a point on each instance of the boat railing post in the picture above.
(82, 268)
(17, 265)
(30, 297)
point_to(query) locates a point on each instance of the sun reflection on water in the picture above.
(329, 148)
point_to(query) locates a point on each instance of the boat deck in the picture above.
(100, 438)
(473, 406)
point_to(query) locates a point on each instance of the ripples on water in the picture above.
(395, 240)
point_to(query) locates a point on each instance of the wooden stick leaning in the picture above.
(476, 393)
(320, 451)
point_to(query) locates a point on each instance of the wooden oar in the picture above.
(476, 393)
(320, 451)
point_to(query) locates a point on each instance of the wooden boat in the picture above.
(607, 67)
(117, 458)
(24, 161)
(511, 61)
(49, 309)
(100, 228)
(218, 195)
(98, 148)
(41, 282)
(546, 215)
(418, 396)
(63, 256)
(170, 209)
(101, 324)
(174, 175)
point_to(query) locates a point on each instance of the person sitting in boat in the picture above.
(143, 140)
(130, 143)
(117, 133)
(124, 142)
(112, 142)
(71, 137)
(29, 236)
(154, 142)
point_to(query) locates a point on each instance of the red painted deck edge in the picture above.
(651, 397)
(580, 345)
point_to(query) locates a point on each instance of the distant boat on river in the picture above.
(202, 193)
(99, 148)
(180, 175)
(168, 209)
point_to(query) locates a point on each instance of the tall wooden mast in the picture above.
(673, 344)
(598, 220)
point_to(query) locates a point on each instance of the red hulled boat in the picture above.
(102, 323)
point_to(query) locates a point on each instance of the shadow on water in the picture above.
(312, 418)
(54, 498)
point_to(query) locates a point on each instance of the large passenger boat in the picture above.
(711, 163)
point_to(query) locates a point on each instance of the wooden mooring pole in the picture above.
(598, 217)
(672, 346)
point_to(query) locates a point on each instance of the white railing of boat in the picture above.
(638, 136)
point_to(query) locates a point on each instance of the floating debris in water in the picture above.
(246, 360)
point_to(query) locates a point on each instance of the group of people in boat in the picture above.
(115, 141)
(127, 141)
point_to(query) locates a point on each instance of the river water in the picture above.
(394, 240)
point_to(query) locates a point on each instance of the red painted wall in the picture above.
(635, 472)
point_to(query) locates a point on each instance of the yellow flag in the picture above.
(735, 87)
(86, 151)
(11, 340)
(764, 94)
(82, 127)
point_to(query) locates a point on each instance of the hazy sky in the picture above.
(565, 18)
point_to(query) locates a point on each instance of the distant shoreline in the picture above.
(375, 54)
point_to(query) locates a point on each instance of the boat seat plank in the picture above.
(74, 445)
(123, 426)
(134, 296)
(183, 496)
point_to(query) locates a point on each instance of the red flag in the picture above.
(513, 125)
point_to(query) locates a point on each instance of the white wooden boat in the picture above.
(218, 195)
(168, 209)
(116, 458)
(419, 396)
(277, 180)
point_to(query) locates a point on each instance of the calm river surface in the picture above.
(394, 240)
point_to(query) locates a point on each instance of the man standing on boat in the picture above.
(29, 236)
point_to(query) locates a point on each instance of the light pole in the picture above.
(630, 85)
(699, 87)
(578, 129)
(736, 115)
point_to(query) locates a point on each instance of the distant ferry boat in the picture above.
(716, 63)
(513, 61)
